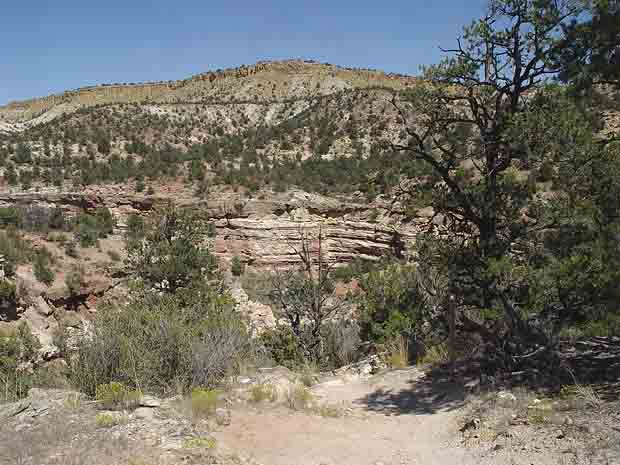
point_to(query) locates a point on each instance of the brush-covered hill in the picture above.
(263, 82)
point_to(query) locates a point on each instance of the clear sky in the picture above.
(49, 46)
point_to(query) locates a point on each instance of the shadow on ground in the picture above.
(436, 391)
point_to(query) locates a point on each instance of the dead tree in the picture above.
(305, 297)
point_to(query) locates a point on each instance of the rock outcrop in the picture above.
(261, 230)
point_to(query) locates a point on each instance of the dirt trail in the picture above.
(387, 422)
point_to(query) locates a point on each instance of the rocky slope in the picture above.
(259, 83)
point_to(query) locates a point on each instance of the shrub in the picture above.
(105, 221)
(16, 347)
(170, 256)
(342, 342)
(161, 343)
(71, 249)
(299, 397)
(308, 376)
(398, 352)
(281, 345)
(236, 266)
(10, 216)
(204, 401)
(135, 226)
(264, 391)
(87, 230)
(436, 355)
(8, 293)
(115, 256)
(41, 269)
(74, 280)
(14, 249)
(107, 420)
(200, 443)
(390, 305)
(115, 395)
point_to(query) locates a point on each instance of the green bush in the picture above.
(74, 280)
(41, 269)
(8, 292)
(87, 230)
(105, 221)
(236, 266)
(161, 343)
(116, 395)
(135, 230)
(390, 303)
(10, 216)
(281, 345)
(14, 250)
(16, 347)
(170, 256)
(204, 401)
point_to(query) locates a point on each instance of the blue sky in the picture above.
(49, 46)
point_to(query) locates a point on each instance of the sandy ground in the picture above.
(395, 419)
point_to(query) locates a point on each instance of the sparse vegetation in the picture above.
(204, 401)
(299, 397)
(502, 160)
(114, 395)
(264, 391)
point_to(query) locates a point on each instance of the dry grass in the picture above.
(264, 391)
(117, 396)
(397, 353)
(299, 397)
(435, 355)
(204, 402)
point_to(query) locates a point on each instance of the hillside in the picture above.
(266, 82)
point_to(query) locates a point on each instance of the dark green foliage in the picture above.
(10, 216)
(23, 154)
(589, 51)
(8, 293)
(41, 268)
(282, 346)
(390, 304)
(354, 270)
(105, 220)
(87, 230)
(135, 229)
(237, 267)
(14, 249)
(170, 256)
(90, 228)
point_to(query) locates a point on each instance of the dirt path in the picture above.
(385, 424)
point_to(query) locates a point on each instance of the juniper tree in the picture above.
(460, 122)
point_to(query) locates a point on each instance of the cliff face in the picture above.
(262, 230)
